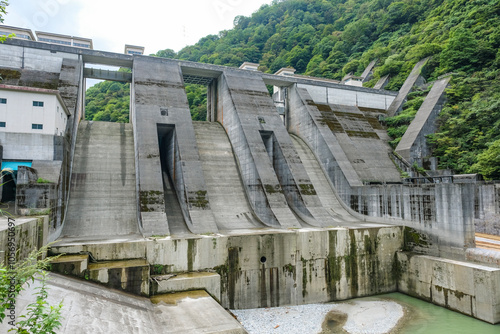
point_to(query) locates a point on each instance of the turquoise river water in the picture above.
(426, 318)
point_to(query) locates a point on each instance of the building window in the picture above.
(56, 41)
(37, 126)
(2, 124)
(37, 103)
(3, 101)
(81, 45)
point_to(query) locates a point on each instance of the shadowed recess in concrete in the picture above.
(176, 222)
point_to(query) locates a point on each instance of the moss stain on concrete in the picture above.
(413, 239)
(199, 199)
(333, 266)
(307, 189)
(270, 189)
(191, 253)
(151, 197)
(304, 277)
(351, 263)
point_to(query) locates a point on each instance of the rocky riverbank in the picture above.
(356, 316)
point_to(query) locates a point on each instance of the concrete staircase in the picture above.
(224, 186)
(135, 276)
(210, 282)
(323, 189)
(102, 201)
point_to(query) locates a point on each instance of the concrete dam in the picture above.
(282, 199)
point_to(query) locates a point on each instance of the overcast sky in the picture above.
(111, 24)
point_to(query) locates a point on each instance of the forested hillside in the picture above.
(330, 38)
(108, 101)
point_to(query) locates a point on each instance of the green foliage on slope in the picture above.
(108, 101)
(197, 99)
(331, 38)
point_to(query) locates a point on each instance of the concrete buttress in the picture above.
(161, 117)
(271, 168)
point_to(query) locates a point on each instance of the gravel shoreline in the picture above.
(363, 317)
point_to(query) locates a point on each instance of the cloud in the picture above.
(111, 24)
(45, 15)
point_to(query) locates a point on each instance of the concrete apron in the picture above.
(88, 308)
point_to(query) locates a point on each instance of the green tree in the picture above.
(167, 53)
(197, 99)
(3, 12)
(108, 101)
(41, 318)
(351, 66)
(488, 162)
(327, 38)
(461, 53)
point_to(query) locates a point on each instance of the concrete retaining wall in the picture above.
(33, 197)
(442, 213)
(30, 235)
(272, 269)
(397, 104)
(487, 208)
(464, 287)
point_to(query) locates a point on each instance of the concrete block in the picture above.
(74, 265)
(461, 286)
(30, 234)
(154, 224)
(195, 312)
(207, 281)
(128, 275)
(11, 56)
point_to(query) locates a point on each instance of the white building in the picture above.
(30, 121)
(133, 50)
(249, 66)
(20, 33)
(52, 38)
